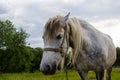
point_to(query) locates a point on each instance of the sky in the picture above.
(32, 15)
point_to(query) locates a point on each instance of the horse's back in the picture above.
(98, 43)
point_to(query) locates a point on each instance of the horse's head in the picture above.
(55, 44)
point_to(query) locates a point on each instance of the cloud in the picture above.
(31, 15)
(110, 27)
(3, 8)
(35, 42)
(90, 8)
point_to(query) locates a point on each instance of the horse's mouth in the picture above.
(50, 71)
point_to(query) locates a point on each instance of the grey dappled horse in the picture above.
(91, 49)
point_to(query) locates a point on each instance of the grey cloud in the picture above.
(3, 9)
(95, 8)
(37, 13)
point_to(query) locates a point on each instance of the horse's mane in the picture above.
(75, 37)
(73, 29)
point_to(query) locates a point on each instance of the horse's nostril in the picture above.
(54, 66)
(48, 67)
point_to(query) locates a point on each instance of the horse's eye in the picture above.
(58, 37)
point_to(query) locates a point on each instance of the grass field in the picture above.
(60, 75)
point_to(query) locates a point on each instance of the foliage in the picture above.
(117, 63)
(10, 37)
(37, 59)
(15, 56)
(6, 33)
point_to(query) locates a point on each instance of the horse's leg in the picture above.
(97, 75)
(100, 73)
(109, 73)
(83, 75)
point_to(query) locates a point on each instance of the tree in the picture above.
(10, 37)
(6, 32)
(37, 59)
(15, 56)
(117, 63)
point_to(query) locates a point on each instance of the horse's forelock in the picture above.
(52, 26)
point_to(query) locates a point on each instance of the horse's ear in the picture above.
(64, 19)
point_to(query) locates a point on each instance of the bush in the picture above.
(37, 59)
(117, 63)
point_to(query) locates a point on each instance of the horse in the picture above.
(92, 50)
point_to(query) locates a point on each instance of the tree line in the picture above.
(117, 63)
(16, 56)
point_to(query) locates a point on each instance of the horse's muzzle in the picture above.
(49, 69)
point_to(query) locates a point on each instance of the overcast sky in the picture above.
(31, 15)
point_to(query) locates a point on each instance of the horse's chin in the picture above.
(52, 72)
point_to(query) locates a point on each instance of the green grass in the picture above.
(60, 75)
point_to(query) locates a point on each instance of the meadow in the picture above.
(60, 75)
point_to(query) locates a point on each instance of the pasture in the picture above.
(60, 75)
